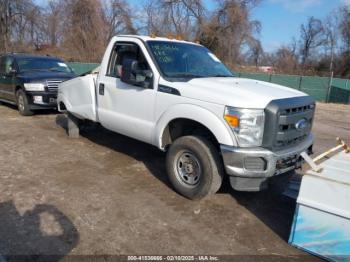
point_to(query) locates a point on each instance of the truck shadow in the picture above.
(275, 210)
(41, 234)
(150, 156)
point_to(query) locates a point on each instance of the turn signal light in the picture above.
(233, 121)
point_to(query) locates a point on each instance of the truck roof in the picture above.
(150, 38)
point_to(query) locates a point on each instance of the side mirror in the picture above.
(133, 75)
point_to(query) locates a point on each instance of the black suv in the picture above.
(31, 81)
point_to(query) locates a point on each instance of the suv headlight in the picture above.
(247, 124)
(34, 86)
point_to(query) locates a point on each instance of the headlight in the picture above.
(247, 124)
(34, 86)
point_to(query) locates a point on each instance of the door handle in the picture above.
(101, 89)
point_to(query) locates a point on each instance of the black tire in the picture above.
(200, 153)
(22, 104)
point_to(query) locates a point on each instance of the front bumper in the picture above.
(275, 163)
(48, 100)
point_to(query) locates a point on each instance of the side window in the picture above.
(122, 51)
(9, 65)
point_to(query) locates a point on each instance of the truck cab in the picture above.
(179, 97)
(31, 81)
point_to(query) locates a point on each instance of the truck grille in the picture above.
(288, 122)
(52, 85)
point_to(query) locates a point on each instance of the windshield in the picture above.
(42, 64)
(181, 60)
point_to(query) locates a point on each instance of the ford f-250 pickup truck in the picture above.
(179, 97)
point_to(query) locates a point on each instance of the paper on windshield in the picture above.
(62, 64)
(214, 57)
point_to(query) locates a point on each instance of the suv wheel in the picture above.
(194, 167)
(22, 103)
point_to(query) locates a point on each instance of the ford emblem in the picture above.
(301, 124)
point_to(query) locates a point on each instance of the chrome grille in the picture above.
(52, 85)
(287, 133)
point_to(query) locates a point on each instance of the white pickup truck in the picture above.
(179, 97)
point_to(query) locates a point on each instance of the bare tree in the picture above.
(230, 29)
(345, 26)
(85, 30)
(285, 60)
(19, 24)
(182, 18)
(256, 51)
(118, 18)
(53, 22)
(312, 36)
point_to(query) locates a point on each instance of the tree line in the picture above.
(79, 30)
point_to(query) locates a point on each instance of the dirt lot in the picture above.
(108, 194)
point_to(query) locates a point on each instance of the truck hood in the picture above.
(38, 76)
(237, 92)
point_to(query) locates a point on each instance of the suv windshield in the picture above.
(181, 60)
(42, 64)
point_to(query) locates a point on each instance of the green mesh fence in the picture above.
(256, 76)
(285, 80)
(318, 87)
(340, 91)
(82, 68)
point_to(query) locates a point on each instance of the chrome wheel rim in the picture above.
(21, 103)
(188, 168)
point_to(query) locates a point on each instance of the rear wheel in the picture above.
(22, 104)
(194, 167)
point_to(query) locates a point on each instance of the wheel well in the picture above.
(62, 106)
(183, 127)
(17, 88)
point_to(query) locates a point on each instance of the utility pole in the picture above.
(331, 72)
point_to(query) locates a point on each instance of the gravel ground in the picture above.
(106, 194)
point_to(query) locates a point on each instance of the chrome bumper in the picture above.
(234, 159)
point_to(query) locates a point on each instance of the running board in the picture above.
(8, 102)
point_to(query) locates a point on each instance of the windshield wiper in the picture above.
(218, 75)
(190, 75)
(54, 69)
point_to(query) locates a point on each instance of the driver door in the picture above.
(124, 108)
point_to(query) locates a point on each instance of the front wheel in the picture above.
(22, 103)
(194, 167)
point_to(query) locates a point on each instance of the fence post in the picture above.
(270, 78)
(329, 88)
(300, 80)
